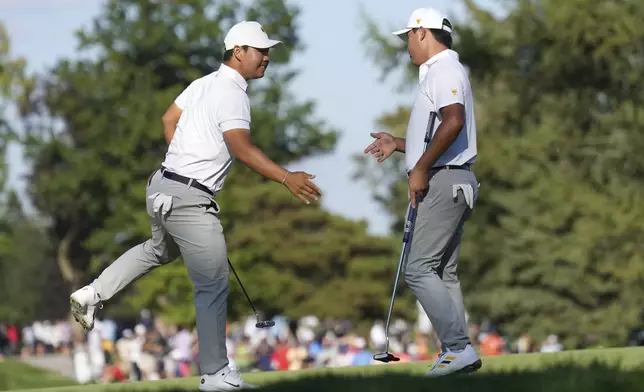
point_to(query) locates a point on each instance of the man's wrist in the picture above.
(284, 176)
(420, 168)
(400, 144)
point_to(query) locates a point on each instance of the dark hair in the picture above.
(229, 53)
(442, 36)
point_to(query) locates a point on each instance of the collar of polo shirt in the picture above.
(424, 68)
(228, 72)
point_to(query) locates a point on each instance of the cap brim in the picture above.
(267, 44)
(401, 32)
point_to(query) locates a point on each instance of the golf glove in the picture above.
(161, 202)
(468, 193)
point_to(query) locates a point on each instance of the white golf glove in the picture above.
(468, 193)
(162, 202)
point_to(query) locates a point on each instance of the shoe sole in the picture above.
(471, 368)
(78, 311)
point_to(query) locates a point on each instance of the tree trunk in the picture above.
(69, 274)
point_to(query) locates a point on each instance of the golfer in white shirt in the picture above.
(442, 185)
(207, 127)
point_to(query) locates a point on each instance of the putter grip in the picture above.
(409, 224)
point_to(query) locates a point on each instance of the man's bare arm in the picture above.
(447, 132)
(299, 183)
(242, 148)
(170, 119)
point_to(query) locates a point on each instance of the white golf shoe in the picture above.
(223, 381)
(466, 361)
(84, 303)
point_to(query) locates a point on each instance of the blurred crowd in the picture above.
(150, 349)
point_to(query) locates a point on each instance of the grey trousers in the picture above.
(190, 229)
(433, 257)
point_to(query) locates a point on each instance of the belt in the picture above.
(191, 182)
(451, 167)
(436, 169)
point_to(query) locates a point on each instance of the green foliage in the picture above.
(89, 175)
(13, 82)
(554, 244)
(24, 249)
(24, 264)
(11, 76)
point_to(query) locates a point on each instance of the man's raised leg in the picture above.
(130, 266)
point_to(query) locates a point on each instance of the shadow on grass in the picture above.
(595, 377)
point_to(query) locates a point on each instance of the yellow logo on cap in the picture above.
(418, 20)
(454, 92)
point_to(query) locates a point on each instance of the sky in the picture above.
(43, 31)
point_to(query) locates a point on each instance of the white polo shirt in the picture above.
(443, 81)
(211, 105)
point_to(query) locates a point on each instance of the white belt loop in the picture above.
(189, 183)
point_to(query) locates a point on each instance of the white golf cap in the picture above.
(248, 33)
(428, 18)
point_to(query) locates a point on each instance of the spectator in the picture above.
(13, 338)
(28, 340)
(263, 356)
(182, 351)
(243, 354)
(361, 356)
(551, 345)
(279, 357)
(4, 340)
(151, 356)
(128, 350)
(95, 350)
(492, 344)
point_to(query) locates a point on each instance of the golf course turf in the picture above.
(613, 370)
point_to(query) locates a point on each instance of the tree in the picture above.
(15, 85)
(23, 246)
(24, 266)
(553, 244)
(89, 174)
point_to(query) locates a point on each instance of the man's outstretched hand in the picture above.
(300, 185)
(382, 147)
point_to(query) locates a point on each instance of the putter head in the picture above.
(265, 324)
(386, 357)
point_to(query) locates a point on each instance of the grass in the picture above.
(17, 375)
(613, 370)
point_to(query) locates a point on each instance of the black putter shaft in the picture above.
(409, 229)
(409, 224)
(260, 324)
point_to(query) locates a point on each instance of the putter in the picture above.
(386, 356)
(260, 323)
